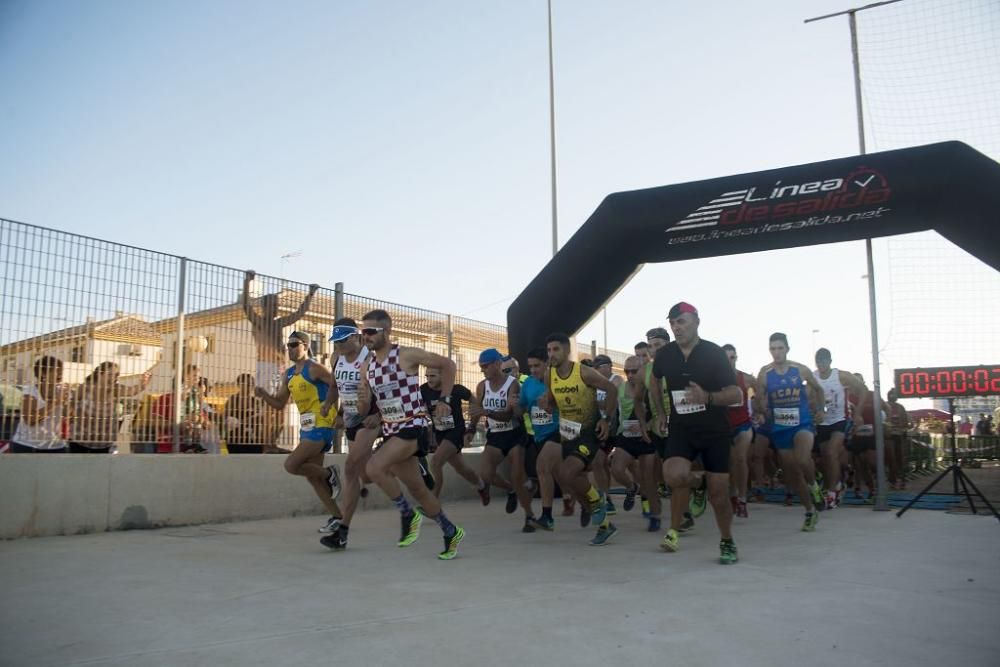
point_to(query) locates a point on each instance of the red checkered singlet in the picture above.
(397, 394)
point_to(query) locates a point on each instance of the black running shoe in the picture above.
(630, 498)
(335, 541)
(584, 514)
(511, 506)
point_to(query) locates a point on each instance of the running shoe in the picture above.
(333, 481)
(451, 544)
(544, 522)
(830, 499)
(697, 503)
(741, 509)
(817, 497)
(727, 552)
(604, 535)
(335, 541)
(654, 525)
(331, 526)
(609, 507)
(598, 512)
(529, 526)
(410, 527)
(584, 515)
(511, 505)
(687, 524)
(630, 498)
(425, 472)
(812, 518)
(671, 541)
(645, 508)
(484, 495)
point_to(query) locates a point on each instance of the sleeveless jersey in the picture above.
(628, 422)
(496, 401)
(787, 400)
(309, 394)
(834, 397)
(347, 374)
(603, 395)
(739, 413)
(396, 393)
(576, 401)
(650, 381)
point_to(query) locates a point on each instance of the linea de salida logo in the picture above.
(863, 186)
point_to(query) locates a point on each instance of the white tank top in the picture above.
(347, 374)
(834, 396)
(46, 434)
(496, 401)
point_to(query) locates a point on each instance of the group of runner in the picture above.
(682, 424)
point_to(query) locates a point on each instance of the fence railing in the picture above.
(188, 340)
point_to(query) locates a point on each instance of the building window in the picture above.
(76, 354)
(210, 348)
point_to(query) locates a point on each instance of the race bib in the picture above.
(391, 409)
(498, 426)
(683, 405)
(307, 421)
(349, 404)
(739, 403)
(540, 417)
(444, 423)
(631, 428)
(570, 429)
(786, 416)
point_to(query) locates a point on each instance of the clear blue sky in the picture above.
(403, 147)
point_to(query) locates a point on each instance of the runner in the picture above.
(657, 338)
(635, 444)
(497, 396)
(702, 384)
(510, 367)
(573, 391)
(897, 442)
(449, 434)
(830, 434)
(741, 427)
(642, 351)
(394, 386)
(309, 384)
(602, 467)
(791, 400)
(545, 426)
(361, 430)
(862, 445)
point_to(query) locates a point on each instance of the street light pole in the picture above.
(881, 497)
(552, 140)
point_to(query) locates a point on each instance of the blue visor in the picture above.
(343, 332)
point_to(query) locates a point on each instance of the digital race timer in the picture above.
(945, 381)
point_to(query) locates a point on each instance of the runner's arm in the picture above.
(760, 394)
(595, 380)
(255, 319)
(276, 401)
(412, 357)
(289, 320)
(476, 406)
(817, 398)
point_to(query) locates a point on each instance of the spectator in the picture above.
(965, 428)
(193, 420)
(94, 422)
(243, 417)
(983, 426)
(42, 407)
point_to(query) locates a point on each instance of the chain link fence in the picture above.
(160, 353)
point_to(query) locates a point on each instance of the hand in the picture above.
(545, 402)
(324, 409)
(442, 410)
(645, 437)
(372, 421)
(819, 416)
(250, 275)
(475, 411)
(695, 394)
(313, 288)
(661, 423)
(338, 423)
(468, 438)
(147, 377)
(601, 430)
(259, 392)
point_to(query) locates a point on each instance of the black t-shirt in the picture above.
(458, 394)
(708, 366)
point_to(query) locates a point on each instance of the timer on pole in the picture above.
(950, 382)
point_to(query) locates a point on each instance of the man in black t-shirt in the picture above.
(449, 433)
(702, 384)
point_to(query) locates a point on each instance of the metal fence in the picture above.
(179, 333)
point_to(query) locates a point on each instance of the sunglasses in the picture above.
(292, 346)
(371, 331)
(507, 371)
(631, 371)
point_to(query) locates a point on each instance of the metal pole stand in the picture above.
(959, 479)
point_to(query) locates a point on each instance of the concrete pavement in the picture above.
(865, 589)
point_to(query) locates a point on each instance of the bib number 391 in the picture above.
(570, 429)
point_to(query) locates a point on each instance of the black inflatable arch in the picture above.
(948, 187)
